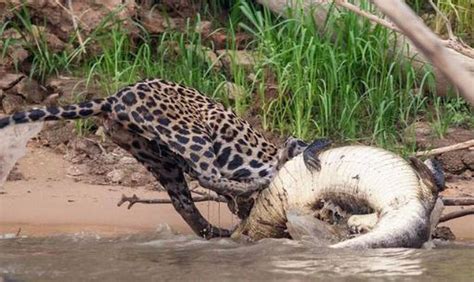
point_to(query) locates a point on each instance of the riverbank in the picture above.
(46, 201)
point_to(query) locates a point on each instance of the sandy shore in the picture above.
(49, 202)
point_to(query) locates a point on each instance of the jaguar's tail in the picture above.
(75, 111)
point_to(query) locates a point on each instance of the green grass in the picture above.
(349, 89)
(458, 12)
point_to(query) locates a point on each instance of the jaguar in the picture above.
(175, 130)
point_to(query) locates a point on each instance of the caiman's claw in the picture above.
(310, 154)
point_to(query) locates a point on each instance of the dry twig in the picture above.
(18, 232)
(134, 199)
(445, 19)
(437, 151)
(365, 14)
(70, 11)
(429, 44)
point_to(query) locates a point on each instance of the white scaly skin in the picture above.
(360, 176)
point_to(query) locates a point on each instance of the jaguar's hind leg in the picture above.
(163, 165)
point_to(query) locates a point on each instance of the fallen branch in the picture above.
(460, 53)
(134, 199)
(429, 44)
(456, 214)
(452, 42)
(437, 151)
(458, 201)
(371, 17)
(445, 19)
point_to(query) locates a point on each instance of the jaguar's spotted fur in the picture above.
(173, 129)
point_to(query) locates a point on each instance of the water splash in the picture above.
(13, 145)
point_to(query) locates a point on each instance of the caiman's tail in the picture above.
(75, 111)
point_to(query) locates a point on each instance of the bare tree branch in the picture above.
(456, 214)
(461, 53)
(365, 14)
(452, 42)
(437, 151)
(458, 201)
(429, 44)
(445, 19)
(134, 199)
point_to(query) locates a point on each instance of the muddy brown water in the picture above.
(163, 256)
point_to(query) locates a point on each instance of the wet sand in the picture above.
(49, 202)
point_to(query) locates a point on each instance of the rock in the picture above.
(141, 178)
(203, 27)
(127, 161)
(89, 14)
(14, 43)
(468, 160)
(240, 58)
(153, 21)
(212, 58)
(115, 176)
(58, 133)
(109, 159)
(205, 53)
(8, 80)
(15, 55)
(41, 33)
(15, 175)
(156, 23)
(70, 88)
(12, 103)
(452, 161)
(418, 132)
(443, 233)
(30, 90)
(220, 40)
(77, 170)
(4, 12)
(88, 147)
(467, 174)
(234, 91)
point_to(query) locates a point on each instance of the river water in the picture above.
(163, 256)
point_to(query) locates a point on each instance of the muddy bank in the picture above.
(46, 201)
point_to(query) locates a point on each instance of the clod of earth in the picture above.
(387, 195)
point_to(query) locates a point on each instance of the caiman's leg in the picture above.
(436, 168)
(362, 223)
(310, 154)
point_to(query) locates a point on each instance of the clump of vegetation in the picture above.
(457, 13)
(305, 83)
